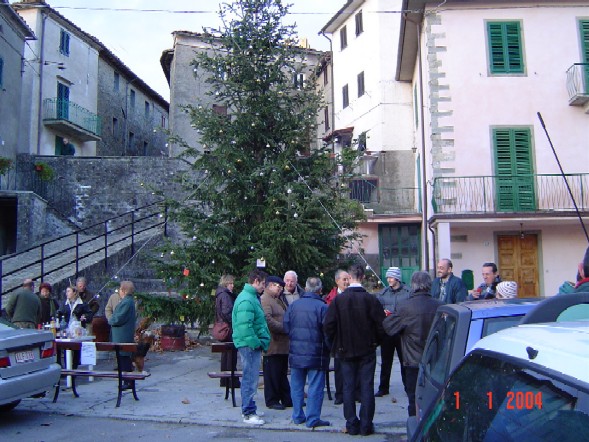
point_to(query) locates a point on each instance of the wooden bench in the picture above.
(121, 376)
(233, 376)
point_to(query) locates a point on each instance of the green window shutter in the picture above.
(584, 31)
(505, 47)
(514, 182)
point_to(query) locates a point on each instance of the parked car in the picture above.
(525, 383)
(455, 330)
(27, 364)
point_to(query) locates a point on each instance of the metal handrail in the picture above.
(108, 232)
(577, 81)
(535, 193)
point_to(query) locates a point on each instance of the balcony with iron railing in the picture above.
(384, 201)
(71, 119)
(539, 193)
(578, 84)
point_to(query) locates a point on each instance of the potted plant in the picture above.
(44, 170)
(5, 165)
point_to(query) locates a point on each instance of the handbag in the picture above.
(221, 330)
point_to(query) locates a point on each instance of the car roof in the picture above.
(560, 346)
(491, 308)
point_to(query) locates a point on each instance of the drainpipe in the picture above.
(41, 64)
(332, 116)
(424, 223)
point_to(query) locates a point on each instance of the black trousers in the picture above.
(387, 352)
(339, 380)
(411, 374)
(276, 386)
(359, 370)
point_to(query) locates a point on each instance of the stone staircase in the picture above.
(99, 257)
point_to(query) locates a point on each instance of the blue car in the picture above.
(454, 332)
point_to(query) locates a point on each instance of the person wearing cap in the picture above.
(276, 386)
(506, 290)
(447, 287)
(353, 324)
(389, 298)
(49, 305)
(24, 307)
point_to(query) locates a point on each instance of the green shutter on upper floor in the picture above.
(514, 182)
(584, 32)
(505, 47)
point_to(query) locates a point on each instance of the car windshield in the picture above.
(491, 400)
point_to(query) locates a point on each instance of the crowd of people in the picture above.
(278, 325)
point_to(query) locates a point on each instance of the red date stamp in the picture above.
(514, 400)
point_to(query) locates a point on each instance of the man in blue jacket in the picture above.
(446, 287)
(308, 353)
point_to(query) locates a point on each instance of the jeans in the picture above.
(250, 363)
(360, 370)
(316, 378)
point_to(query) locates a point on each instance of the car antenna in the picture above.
(564, 177)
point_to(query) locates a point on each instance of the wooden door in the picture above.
(518, 261)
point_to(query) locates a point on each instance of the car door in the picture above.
(443, 350)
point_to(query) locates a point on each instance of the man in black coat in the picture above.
(353, 324)
(412, 320)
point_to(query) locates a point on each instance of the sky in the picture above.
(138, 37)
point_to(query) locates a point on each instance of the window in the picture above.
(359, 24)
(361, 84)
(509, 401)
(117, 81)
(514, 182)
(298, 80)
(345, 96)
(132, 98)
(343, 38)
(145, 145)
(64, 43)
(147, 109)
(326, 117)
(415, 106)
(115, 127)
(584, 31)
(325, 76)
(505, 48)
(163, 121)
(131, 140)
(1, 71)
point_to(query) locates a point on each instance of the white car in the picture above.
(27, 364)
(525, 383)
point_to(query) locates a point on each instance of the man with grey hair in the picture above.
(292, 290)
(412, 320)
(308, 354)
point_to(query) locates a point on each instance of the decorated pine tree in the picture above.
(259, 187)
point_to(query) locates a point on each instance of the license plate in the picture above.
(24, 356)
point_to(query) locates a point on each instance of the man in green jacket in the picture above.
(251, 336)
(24, 307)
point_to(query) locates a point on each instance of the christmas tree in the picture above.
(256, 190)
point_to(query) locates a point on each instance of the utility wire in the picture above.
(337, 225)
